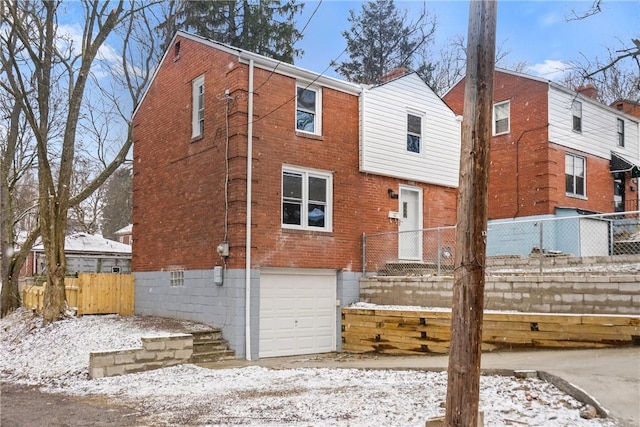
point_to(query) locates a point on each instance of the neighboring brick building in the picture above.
(125, 234)
(629, 107)
(531, 152)
(324, 170)
(555, 152)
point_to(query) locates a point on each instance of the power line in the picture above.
(297, 40)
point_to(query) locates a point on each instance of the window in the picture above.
(576, 110)
(176, 278)
(501, 114)
(306, 199)
(197, 121)
(414, 133)
(574, 174)
(176, 50)
(307, 110)
(621, 132)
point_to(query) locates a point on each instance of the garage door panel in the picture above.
(297, 313)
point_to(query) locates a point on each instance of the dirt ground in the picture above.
(24, 406)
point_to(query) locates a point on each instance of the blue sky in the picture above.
(536, 32)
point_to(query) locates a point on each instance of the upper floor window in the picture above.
(306, 199)
(414, 133)
(197, 119)
(574, 174)
(308, 109)
(501, 118)
(576, 111)
(620, 132)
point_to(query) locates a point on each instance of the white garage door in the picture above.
(297, 312)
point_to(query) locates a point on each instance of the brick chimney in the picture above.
(630, 107)
(398, 72)
(588, 90)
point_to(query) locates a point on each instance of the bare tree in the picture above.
(18, 201)
(612, 68)
(614, 79)
(50, 75)
(451, 62)
(86, 215)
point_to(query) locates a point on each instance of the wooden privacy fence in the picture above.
(90, 293)
(416, 332)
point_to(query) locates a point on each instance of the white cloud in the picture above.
(550, 19)
(70, 40)
(550, 69)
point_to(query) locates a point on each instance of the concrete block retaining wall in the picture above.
(565, 293)
(156, 352)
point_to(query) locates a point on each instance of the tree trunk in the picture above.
(54, 297)
(10, 292)
(55, 259)
(463, 386)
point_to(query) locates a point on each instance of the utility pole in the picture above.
(463, 387)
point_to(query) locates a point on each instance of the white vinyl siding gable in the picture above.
(599, 134)
(383, 132)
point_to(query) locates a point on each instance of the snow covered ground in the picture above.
(56, 359)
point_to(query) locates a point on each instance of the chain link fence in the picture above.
(432, 250)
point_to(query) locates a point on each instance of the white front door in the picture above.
(410, 234)
(297, 312)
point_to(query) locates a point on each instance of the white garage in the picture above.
(297, 312)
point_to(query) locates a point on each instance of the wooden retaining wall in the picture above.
(89, 293)
(416, 332)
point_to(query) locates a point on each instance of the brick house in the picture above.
(125, 234)
(329, 161)
(556, 152)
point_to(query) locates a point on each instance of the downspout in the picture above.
(247, 274)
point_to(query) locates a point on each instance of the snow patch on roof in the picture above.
(91, 243)
(128, 229)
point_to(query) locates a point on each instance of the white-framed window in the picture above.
(620, 128)
(306, 199)
(414, 133)
(308, 109)
(501, 117)
(176, 278)
(197, 119)
(575, 173)
(576, 112)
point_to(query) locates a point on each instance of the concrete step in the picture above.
(213, 356)
(206, 335)
(209, 346)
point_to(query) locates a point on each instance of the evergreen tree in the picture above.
(266, 27)
(382, 39)
(116, 211)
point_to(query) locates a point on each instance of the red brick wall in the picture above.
(631, 108)
(527, 174)
(599, 180)
(178, 184)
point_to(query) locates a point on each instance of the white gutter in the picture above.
(247, 273)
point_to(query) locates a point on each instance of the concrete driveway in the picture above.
(610, 376)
